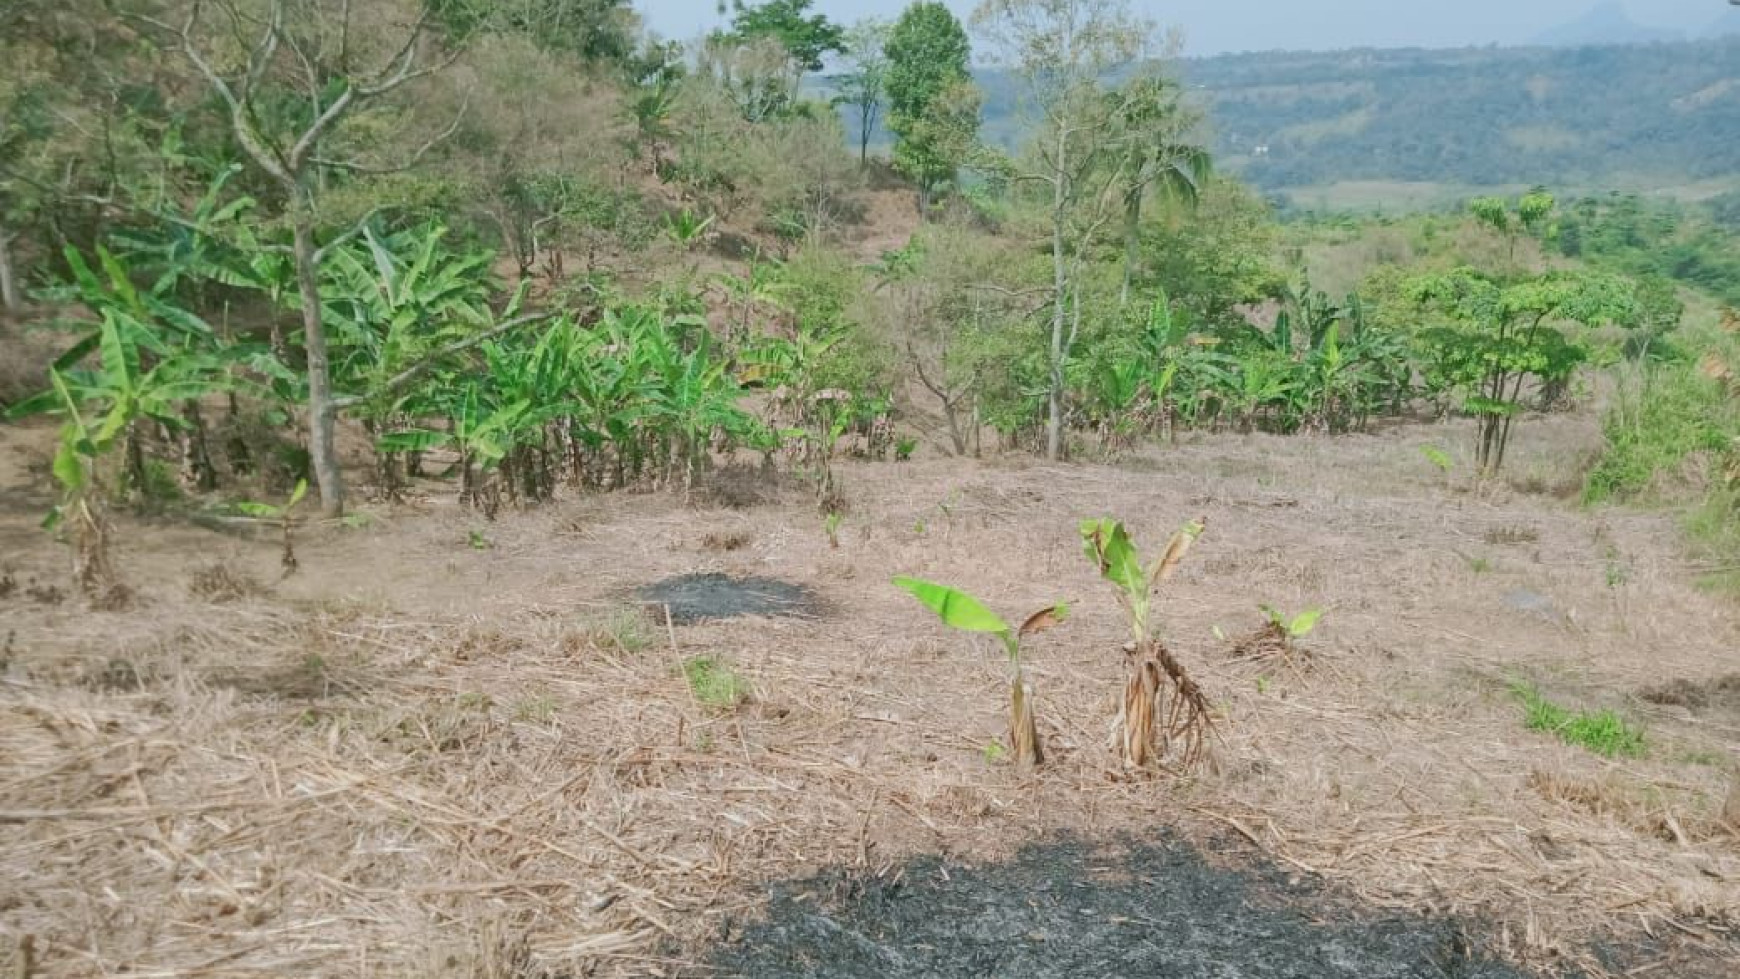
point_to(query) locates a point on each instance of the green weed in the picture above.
(1604, 732)
(714, 683)
(535, 710)
(623, 629)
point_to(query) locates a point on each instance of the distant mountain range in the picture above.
(1647, 116)
(1610, 23)
(1619, 116)
(1605, 23)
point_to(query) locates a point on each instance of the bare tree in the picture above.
(309, 45)
(1064, 50)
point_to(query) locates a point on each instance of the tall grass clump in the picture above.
(1668, 415)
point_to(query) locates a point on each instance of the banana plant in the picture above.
(392, 302)
(959, 610)
(152, 360)
(283, 514)
(1154, 680)
(1293, 627)
(76, 459)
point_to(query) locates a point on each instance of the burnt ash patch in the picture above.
(1065, 909)
(711, 596)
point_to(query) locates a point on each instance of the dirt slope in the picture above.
(455, 748)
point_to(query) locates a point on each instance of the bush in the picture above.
(1657, 427)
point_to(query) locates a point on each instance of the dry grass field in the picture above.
(453, 747)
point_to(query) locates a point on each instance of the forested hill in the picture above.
(1621, 116)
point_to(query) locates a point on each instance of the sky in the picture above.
(1219, 26)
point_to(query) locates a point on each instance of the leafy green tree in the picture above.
(928, 82)
(1529, 215)
(315, 44)
(807, 39)
(936, 145)
(864, 84)
(1499, 334)
(1221, 257)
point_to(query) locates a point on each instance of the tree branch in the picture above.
(352, 166)
(341, 240)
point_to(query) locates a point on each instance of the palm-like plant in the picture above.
(1159, 157)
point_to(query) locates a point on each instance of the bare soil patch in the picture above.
(422, 757)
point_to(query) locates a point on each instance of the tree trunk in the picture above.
(1059, 285)
(952, 414)
(322, 417)
(866, 121)
(1132, 239)
(10, 304)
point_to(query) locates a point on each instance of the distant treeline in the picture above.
(1593, 117)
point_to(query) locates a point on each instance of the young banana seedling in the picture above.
(959, 610)
(284, 515)
(1155, 683)
(1278, 638)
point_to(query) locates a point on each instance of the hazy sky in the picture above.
(1215, 26)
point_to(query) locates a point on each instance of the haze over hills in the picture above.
(1726, 24)
(1212, 27)
(1662, 116)
(1606, 23)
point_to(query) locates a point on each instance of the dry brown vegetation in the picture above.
(423, 758)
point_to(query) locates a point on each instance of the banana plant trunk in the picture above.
(322, 415)
(10, 304)
(1136, 715)
(1023, 727)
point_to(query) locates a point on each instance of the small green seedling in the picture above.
(831, 523)
(1275, 640)
(904, 448)
(1437, 457)
(284, 514)
(959, 610)
(1148, 665)
(1297, 627)
(477, 541)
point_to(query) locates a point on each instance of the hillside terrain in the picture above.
(1657, 116)
(487, 494)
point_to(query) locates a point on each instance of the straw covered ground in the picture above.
(448, 747)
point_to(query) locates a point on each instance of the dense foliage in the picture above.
(527, 249)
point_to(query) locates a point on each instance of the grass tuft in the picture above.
(714, 683)
(1604, 732)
